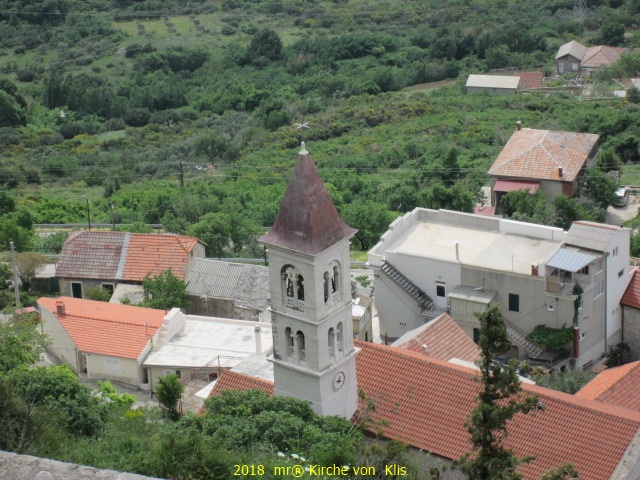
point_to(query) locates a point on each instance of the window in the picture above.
(476, 335)
(584, 270)
(108, 287)
(620, 273)
(599, 289)
(615, 252)
(331, 340)
(301, 345)
(440, 290)
(514, 302)
(340, 337)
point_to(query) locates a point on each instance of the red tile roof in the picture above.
(512, 185)
(106, 328)
(530, 79)
(484, 210)
(91, 255)
(618, 386)
(154, 254)
(538, 154)
(600, 55)
(307, 220)
(443, 339)
(123, 256)
(631, 297)
(425, 403)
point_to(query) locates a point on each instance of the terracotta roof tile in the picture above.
(601, 55)
(425, 403)
(530, 79)
(91, 255)
(484, 210)
(154, 254)
(123, 256)
(106, 328)
(538, 154)
(618, 386)
(631, 297)
(307, 220)
(441, 338)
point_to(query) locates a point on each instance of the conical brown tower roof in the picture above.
(307, 221)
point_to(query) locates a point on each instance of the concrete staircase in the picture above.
(520, 340)
(407, 285)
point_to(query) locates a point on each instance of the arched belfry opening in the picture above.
(292, 288)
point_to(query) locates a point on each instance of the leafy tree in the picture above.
(500, 399)
(525, 206)
(370, 218)
(214, 229)
(265, 44)
(28, 264)
(601, 190)
(21, 344)
(611, 33)
(164, 291)
(57, 390)
(169, 392)
(11, 113)
(567, 211)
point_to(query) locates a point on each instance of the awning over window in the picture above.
(512, 185)
(570, 260)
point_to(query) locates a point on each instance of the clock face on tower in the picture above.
(338, 381)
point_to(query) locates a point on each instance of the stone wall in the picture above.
(26, 467)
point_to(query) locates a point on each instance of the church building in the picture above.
(308, 253)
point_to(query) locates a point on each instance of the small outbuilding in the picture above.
(492, 84)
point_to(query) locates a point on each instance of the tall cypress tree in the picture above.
(500, 399)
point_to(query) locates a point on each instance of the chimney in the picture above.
(560, 171)
(60, 308)
(534, 270)
(518, 125)
(258, 339)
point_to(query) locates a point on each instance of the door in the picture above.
(76, 290)
(441, 295)
(560, 68)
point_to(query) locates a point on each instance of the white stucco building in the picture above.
(430, 262)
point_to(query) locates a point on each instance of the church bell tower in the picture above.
(308, 252)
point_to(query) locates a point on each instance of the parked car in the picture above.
(622, 197)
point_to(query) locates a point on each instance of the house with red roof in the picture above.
(598, 57)
(424, 402)
(618, 386)
(546, 160)
(573, 57)
(105, 340)
(106, 259)
(630, 305)
(441, 338)
(420, 399)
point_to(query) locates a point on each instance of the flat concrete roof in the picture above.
(479, 248)
(204, 338)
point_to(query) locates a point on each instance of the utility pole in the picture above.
(88, 215)
(113, 217)
(15, 275)
(580, 9)
(181, 175)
